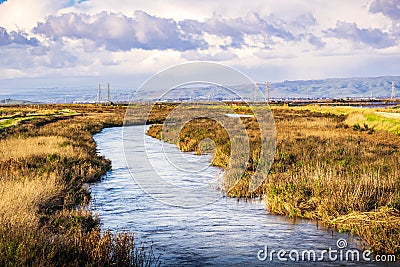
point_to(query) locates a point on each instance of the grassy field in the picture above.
(336, 165)
(47, 155)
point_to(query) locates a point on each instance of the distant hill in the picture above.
(10, 101)
(335, 88)
(377, 87)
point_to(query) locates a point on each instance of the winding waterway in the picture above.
(227, 232)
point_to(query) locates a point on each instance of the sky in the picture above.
(51, 43)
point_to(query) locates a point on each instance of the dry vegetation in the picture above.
(46, 157)
(325, 169)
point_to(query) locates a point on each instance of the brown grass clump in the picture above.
(374, 226)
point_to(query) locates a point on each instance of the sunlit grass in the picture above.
(8, 117)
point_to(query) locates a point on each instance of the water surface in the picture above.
(225, 233)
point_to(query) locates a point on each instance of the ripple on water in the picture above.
(224, 233)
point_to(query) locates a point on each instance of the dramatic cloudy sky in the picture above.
(128, 40)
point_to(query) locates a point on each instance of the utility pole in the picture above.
(267, 84)
(108, 92)
(99, 94)
(393, 90)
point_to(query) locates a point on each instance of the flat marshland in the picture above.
(336, 165)
(47, 155)
(340, 166)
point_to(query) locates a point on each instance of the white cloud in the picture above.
(389, 8)
(24, 14)
(287, 39)
(371, 37)
(16, 38)
(115, 31)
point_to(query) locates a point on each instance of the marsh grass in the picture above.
(45, 162)
(375, 226)
(323, 169)
(10, 117)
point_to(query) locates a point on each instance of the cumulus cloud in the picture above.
(316, 41)
(389, 8)
(99, 37)
(117, 32)
(36, 58)
(18, 38)
(304, 21)
(372, 37)
(237, 28)
(24, 14)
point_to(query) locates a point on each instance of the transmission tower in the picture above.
(393, 96)
(99, 94)
(108, 92)
(267, 84)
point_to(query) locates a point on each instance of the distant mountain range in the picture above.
(378, 87)
(335, 88)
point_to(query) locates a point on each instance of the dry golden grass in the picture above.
(20, 199)
(44, 163)
(15, 148)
